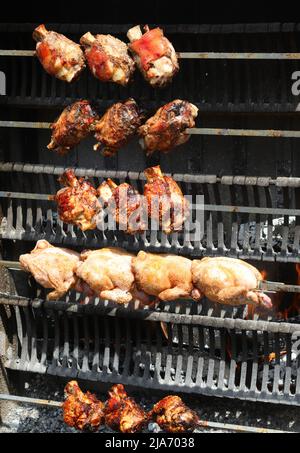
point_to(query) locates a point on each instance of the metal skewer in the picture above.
(25, 399)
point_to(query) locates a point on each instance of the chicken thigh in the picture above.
(173, 416)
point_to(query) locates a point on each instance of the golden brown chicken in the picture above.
(154, 54)
(229, 281)
(173, 416)
(77, 203)
(73, 125)
(108, 58)
(166, 203)
(52, 267)
(167, 277)
(82, 410)
(166, 129)
(117, 126)
(59, 56)
(122, 413)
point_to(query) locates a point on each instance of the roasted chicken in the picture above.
(77, 203)
(52, 267)
(166, 203)
(167, 277)
(122, 413)
(117, 126)
(229, 281)
(154, 54)
(59, 56)
(108, 58)
(73, 125)
(82, 410)
(173, 416)
(166, 129)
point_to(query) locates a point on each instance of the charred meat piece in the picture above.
(166, 129)
(229, 281)
(78, 202)
(108, 58)
(82, 410)
(122, 413)
(117, 126)
(73, 125)
(166, 203)
(52, 267)
(59, 56)
(154, 55)
(173, 416)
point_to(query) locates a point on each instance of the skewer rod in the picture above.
(25, 399)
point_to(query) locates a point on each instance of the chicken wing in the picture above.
(173, 416)
(73, 125)
(108, 58)
(59, 56)
(154, 54)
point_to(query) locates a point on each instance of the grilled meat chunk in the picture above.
(78, 202)
(229, 281)
(117, 126)
(166, 129)
(173, 416)
(82, 410)
(52, 267)
(73, 125)
(108, 58)
(59, 56)
(122, 413)
(154, 55)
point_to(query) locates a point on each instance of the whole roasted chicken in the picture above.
(82, 410)
(52, 267)
(229, 281)
(166, 203)
(59, 56)
(122, 413)
(166, 129)
(167, 277)
(73, 125)
(117, 126)
(154, 54)
(173, 416)
(78, 202)
(108, 58)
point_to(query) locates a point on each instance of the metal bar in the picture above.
(25, 124)
(243, 132)
(25, 195)
(16, 53)
(11, 264)
(25, 399)
(229, 426)
(265, 285)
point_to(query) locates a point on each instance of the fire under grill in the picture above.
(181, 346)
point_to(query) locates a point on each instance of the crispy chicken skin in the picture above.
(108, 58)
(167, 277)
(117, 126)
(122, 413)
(82, 410)
(72, 126)
(166, 203)
(52, 267)
(154, 54)
(77, 202)
(229, 281)
(166, 129)
(59, 56)
(173, 416)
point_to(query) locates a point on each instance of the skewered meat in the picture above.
(173, 416)
(82, 410)
(59, 56)
(122, 413)
(166, 203)
(73, 125)
(229, 281)
(117, 126)
(154, 55)
(78, 202)
(167, 277)
(125, 205)
(108, 58)
(166, 129)
(52, 267)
